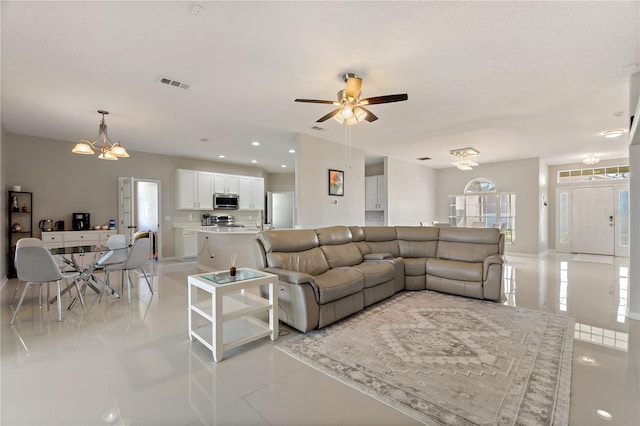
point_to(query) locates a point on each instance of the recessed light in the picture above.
(292, 151)
(613, 133)
(284, 166)
(604, 414)
(255, 143)
(222, 156)
(254, 161)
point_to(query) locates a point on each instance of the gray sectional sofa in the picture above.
(330, 273)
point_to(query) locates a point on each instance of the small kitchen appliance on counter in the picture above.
(60, 225)
(46, 225)
(81, 221)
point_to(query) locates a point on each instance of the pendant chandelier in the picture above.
(108, 150)
(464, 158)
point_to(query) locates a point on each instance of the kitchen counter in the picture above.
(216, 247)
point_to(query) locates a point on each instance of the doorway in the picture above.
(593, 220)
(139, 210)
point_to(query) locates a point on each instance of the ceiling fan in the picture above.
(351, 109)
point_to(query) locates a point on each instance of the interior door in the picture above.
(125, 209)
(139, 209)
(593, 220)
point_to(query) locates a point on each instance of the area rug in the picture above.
(450, 360)
(593, 258)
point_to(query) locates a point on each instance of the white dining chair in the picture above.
(137, 258)
(117, 243)
(36, 265)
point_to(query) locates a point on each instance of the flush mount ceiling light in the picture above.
(108, 150)
(613, 133)
(591, 159)
(464, 158)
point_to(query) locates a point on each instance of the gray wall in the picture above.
(63, 183)
(521, 177)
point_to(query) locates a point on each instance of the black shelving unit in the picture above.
(19, 223)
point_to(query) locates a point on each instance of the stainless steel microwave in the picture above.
(225, 201)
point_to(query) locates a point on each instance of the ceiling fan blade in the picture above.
(384, 99)
(328, 116)
(314, 101)
(354, 84)
(370, 116)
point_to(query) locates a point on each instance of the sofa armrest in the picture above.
(292, 277)
(378, 256)
(494, 259)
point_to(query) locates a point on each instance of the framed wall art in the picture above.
(336, 182)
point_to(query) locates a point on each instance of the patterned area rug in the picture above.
(445, 359)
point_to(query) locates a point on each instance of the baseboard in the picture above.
(633, 315)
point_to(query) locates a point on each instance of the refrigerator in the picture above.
(280, 209)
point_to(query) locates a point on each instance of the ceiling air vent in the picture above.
(174, 83)
(423, 158)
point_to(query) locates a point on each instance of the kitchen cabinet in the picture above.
(19, 224)
(251, 190)
(194, 190)
(186, 241)
(375, 193)
(226, 184)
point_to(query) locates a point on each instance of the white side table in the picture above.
(228, 310)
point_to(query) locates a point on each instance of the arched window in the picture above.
(482, 206)
(479, 185)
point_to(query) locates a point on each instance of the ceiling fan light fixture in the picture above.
(347, 111)
(360, 113)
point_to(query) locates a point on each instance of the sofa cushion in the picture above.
(333, 235)
(288, 240)
(376, 272)
(382, 239)
(337, 283)
(357, 234)
(311, 261)
(342, 255)
(454, 269)
(415, 266)
(417, 241)
(468, 244)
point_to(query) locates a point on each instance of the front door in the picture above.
(593, 220)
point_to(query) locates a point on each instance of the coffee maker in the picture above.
(81, 222)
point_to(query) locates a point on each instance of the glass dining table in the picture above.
(70, 256)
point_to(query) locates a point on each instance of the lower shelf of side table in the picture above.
(235, 332)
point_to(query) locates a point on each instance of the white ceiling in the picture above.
(511, 79)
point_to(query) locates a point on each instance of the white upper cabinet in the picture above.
(226, 184)
(374, 193)
(195, 190)
(205, 191)
(251, 190)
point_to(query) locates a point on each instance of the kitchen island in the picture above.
(216, 246)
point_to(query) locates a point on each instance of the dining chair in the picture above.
(117, 243)
(36, 265)
(137, 258)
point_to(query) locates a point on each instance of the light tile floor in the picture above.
(120, 364)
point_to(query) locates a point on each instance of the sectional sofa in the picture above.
(330, 273)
